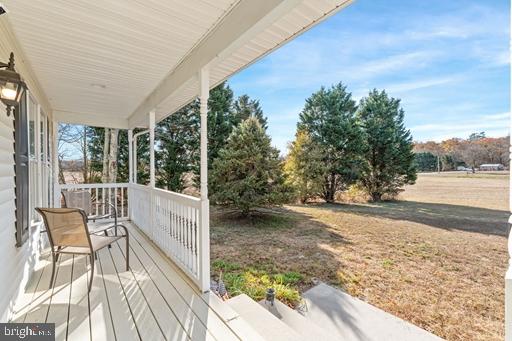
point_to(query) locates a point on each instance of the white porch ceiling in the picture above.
(103, 61)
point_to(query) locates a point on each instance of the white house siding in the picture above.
(16, 263)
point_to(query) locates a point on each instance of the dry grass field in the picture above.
(436, 257)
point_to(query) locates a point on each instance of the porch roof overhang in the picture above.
(109, 63)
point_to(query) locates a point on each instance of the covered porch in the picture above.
(155, 300)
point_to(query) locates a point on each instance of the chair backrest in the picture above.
(78, 199)
(66, 226)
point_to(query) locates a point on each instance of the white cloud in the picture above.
(493, 124)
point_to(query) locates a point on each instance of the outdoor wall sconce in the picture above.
(11, 85)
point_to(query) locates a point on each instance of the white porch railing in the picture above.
(115, 194)
(173, 221)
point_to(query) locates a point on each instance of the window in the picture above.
(32, 127)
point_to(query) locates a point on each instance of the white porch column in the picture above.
(130, 155)
(152, 149)
(55, 151)
(204, 242)
(134, 160)
(130, 171)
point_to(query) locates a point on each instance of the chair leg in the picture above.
(95, 256)
(92, 272)
(127, 253)
(106, 235)
(57, 254)
(54, 261)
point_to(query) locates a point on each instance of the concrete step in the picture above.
(241, 328)
(296, 321)
(264, 323)
(351, 319)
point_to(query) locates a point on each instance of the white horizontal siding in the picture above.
(17, 263)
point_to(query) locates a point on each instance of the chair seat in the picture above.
(98, 242)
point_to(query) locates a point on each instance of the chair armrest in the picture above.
(111, 227)
(114, 214)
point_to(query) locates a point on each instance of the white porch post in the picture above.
(130, 170)
(134, 160)
(204, 242)
(152, 149)
(152, 173)
(55, 149)
(130, 155)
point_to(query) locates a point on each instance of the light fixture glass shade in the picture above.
(9, 92)
(11, 85)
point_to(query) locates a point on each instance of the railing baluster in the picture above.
(176, 224)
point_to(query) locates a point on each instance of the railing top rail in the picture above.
(178, 197)
(96, 185)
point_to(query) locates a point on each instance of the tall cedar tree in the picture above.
(304, 169)
(95, 138)
(245, 107)
(388, 148)
(329, 118)
(220, 119)
(247, 174)
(177, 151)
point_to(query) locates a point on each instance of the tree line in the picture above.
(472, 152)
(338, 143)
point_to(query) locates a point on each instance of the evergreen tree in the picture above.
(304, 168)
(122, 156)
(425, 161)
(244, 108)
(329, 118)
(177, 150)
(95, 137)
(247, 174)
(220, 119)
(142, 157)
(388, 148)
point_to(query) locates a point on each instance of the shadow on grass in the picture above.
(444, 216)
(276, 242)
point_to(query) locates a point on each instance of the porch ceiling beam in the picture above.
(241, 24)
(95, 120)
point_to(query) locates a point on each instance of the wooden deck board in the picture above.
(165, 316)
(59, 301)
(78, 321)
(102, 327)
(151, 301)
(208, 316)
(142, 312)
(124, 324)
(30, 293)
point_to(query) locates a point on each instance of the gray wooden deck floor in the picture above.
(152, 301)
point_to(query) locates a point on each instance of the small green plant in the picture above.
(288, 278)
(254, 282)
(225, 266)
(387, 263)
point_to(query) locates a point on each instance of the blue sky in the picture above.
(448, 61)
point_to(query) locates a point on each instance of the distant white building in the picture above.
(491, 167)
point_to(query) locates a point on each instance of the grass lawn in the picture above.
(436, 258)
